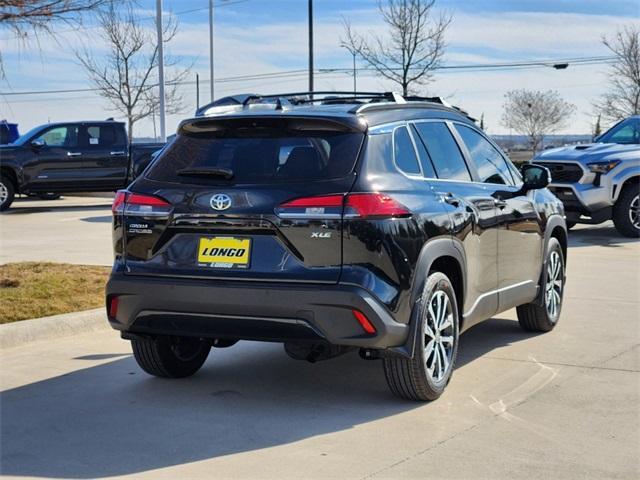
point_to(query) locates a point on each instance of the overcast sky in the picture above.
(264, 36)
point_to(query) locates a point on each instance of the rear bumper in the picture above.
(264, 311)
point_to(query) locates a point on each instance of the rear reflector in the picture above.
(113, 307)
(364, 322)
(354, 205)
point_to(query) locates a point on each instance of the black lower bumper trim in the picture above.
(268, 312)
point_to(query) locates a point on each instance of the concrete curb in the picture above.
(47, 328)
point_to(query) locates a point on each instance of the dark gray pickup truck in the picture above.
(71, 157)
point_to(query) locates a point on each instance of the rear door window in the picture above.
(404, 153)
(491, 166)
(443, 151)
(294, 156)
(104, 136)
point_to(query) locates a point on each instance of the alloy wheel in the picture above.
(634, 212)
(553, 289)
(439, 336)
(4, 193)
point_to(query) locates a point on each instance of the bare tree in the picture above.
(415, 45)
(535, 114)
(597, 128)
(125, 75)
(623, 96)
(25, 17)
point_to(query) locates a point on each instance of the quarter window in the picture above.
(491, 165)
(403, 151)
(443, 151)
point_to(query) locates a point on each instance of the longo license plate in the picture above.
(224, 252)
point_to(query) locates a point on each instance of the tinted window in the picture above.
(260, 159)
(627, 132)
(104, 136)
(66, 136)
(423, 155)
(443, 151)
(491, 166)
(403, 151)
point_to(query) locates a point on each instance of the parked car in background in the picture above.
(51, 159)
(600, 181)
(8, 132)
(368, 222)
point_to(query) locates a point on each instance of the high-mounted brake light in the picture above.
(364, 322)
(355, 205)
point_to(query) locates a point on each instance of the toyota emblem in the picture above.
(220, 201)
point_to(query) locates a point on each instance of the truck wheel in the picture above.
(531, 316)
(626, 212)
(7, 193)
(170, 357)
(425, 376)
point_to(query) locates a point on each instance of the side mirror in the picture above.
(37, 144)
(535, 177)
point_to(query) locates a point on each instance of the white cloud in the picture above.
(473, 38)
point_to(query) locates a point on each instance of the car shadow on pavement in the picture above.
(112, 419)
(598, 235)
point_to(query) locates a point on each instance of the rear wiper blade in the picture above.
(225, 173)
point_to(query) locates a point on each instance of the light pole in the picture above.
(310, 45)
(163, 132)
(353, 53)
(211, 46)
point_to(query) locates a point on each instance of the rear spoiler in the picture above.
(207, 126)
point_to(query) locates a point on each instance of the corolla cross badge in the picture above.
(220, 201)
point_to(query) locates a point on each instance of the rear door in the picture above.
(57, 164)
(105, 158)
(473, 216)
(243, 203)
(520, 236)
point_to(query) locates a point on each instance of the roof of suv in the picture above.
(360, 111)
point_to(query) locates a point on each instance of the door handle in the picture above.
(118, 154)
(74, 154)
(451, 199)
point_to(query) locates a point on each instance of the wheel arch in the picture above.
(11, 174)
(634, 178)
(445, 256)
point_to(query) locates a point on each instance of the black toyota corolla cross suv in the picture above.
(330, 223)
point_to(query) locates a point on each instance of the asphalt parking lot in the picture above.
(560, 405)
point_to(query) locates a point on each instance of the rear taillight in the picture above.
(326, 206)
(138, 204)
(355, 205)
(118, 202)
(373, 205)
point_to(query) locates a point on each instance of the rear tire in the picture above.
(626, 212)
(170, 357)
(425, 376)
(535, 318)
(7, 192)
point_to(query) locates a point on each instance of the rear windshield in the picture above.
(259, 158)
